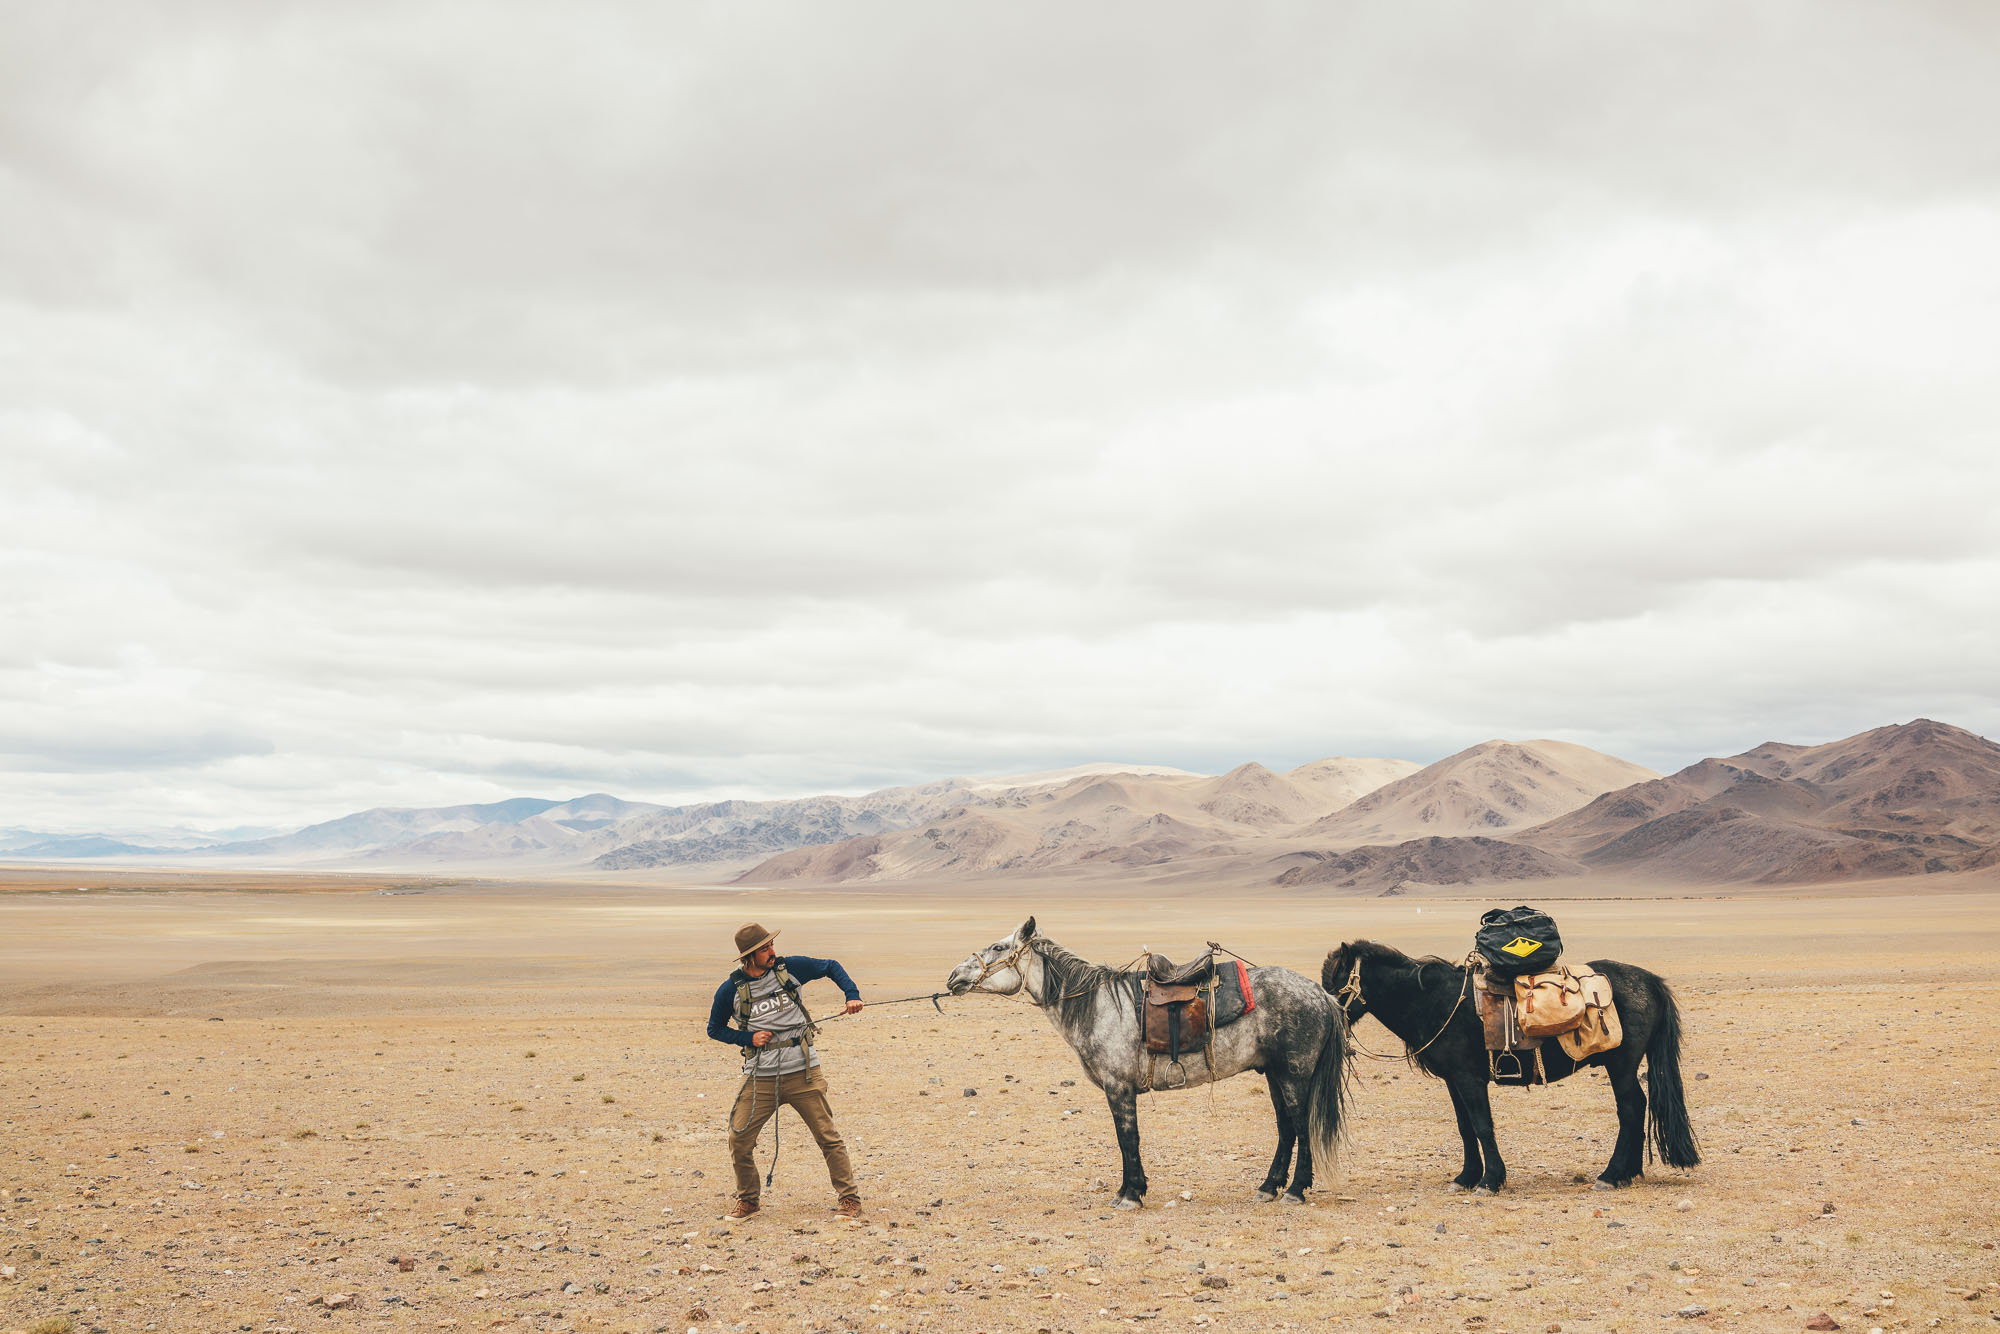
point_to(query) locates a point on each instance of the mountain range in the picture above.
(1907, 800)
(1917, 798)
(1912, 799)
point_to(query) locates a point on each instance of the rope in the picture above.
(1354, 986)
(932, 996)
(752, 1077)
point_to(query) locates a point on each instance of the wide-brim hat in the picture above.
(750, 937)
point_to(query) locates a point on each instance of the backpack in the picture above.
(791, 990)
(1519, 940)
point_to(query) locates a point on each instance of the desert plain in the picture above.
(274, 1103)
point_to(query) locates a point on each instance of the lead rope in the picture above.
(777, 1146)
(752, 1078)
(750, 1081)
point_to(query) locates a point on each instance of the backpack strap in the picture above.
(791, 990)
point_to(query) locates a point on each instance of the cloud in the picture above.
(125, 748)
(414, 403)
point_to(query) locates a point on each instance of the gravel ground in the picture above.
(221, 1135)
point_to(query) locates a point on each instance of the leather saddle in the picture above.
(1512, 1057)
(1167, 973)
(1185, 1003)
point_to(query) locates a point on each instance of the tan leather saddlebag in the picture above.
(1600, 1029)
(1549, 1003)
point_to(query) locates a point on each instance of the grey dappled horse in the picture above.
(1294, 1036)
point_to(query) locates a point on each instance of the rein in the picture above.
(1350, 992)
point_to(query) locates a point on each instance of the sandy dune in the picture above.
(223, 1107)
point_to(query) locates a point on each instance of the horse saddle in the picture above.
(1512, 1057)
(1161, 969)
(1185, 1003)
(1571, 1003)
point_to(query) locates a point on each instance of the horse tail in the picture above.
(1666, 1103)
(1326, 1093)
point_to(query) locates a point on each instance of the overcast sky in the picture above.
(406, 403)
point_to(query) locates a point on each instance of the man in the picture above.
(780, 1066)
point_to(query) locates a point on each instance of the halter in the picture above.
(1007, 961)
(1350, 991)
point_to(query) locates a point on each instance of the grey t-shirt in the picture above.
(771, 1008)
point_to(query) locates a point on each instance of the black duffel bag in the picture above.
(1518, 940)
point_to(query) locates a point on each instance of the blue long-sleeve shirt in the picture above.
(803, 969)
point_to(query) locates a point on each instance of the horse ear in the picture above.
(1027, 931)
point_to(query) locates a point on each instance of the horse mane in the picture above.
(1370, 951)
(1075, 982)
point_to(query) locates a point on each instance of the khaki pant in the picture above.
(805, 1093)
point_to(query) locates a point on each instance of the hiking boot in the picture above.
(741, 1210)
(850, 1207)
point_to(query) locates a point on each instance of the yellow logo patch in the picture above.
(1521, 947)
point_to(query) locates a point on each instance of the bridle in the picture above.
(1349, 994)
(1003, 963)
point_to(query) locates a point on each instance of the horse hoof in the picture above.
(1482, 1190)
(1601, 1184)
(1266, 1196)
(1124, 1203)
(1455, 1188)
(1289, 1198)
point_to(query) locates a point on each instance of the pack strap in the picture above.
(775, 1045)
(786, 985)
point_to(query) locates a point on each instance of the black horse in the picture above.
(1429, 1004)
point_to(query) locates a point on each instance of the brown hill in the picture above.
(1719, 843)
(1252, 795)
(1427, 861)
(1095, 819)
(1492, 786)
(1901, 800)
